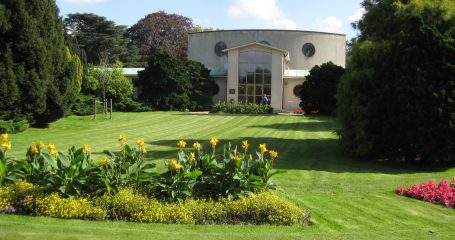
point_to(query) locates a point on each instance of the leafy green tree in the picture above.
(37, 77)
(319, 88)
(397, 97)
(161, 31)
(108, 82)
(95, 35)
(119, 88)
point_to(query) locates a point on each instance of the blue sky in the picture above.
(312, 15)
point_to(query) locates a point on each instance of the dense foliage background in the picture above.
(397, 98)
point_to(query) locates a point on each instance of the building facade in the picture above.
(259, 66)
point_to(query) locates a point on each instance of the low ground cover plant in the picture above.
(131, 205)
(245, 108)
(443, 193)
(198, 187)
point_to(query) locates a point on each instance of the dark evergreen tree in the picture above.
(202, 86)
(319, 88)
(34, 64)
(164, 83)
(397, 97)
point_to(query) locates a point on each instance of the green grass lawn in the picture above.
(348, 198)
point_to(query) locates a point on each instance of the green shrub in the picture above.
(244, 108)
(129, 105)
(84, 105)
(11, 126)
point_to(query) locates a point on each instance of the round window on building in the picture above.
(215, 90)
(265, 42)
(219, 47)
(297, 90)
(308, 49)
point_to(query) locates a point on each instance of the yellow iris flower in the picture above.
(104, 160)
(6, 146)
(86, 148)
(273, 154)
(121, 138)
(33, 149)
(140, 143)
(172, 164)
(262, 148)
(192, 156)
(196, 145)
(181, 144)
(245, 145)
(4, 137)
(213, 142)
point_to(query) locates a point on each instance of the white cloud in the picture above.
(357, 15)
(83, 1)
(329, 24)
(265, 11)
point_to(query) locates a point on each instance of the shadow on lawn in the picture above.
(316, 126)
(303, 154)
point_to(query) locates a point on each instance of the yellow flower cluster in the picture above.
(56, 206)
(86, 148)
(181, 144)
(142, 150)
(213, 142)
(196, 145)
(266, 208)
(52, 150)
(4, 137)
(122, 140)
(5, 198)
(33, 149)
(5, 144)
(192, 156)
(104, 160)
(273, 154)
(262, 148)
(140, 143)
(245, 145)
(174, 165)
(261, 208)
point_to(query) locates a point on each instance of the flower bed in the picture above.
(130, 205)
(243, 108)
(443, 193)
(198, 187)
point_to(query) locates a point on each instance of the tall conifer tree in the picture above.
(34, 65)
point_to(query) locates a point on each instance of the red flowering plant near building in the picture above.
(298, 111)
(443, 193)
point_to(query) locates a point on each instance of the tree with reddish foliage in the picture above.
(161, 31)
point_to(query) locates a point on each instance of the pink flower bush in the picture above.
(443, 193)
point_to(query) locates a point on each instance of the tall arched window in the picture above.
(255, 79)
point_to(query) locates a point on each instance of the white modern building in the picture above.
(248, 64)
